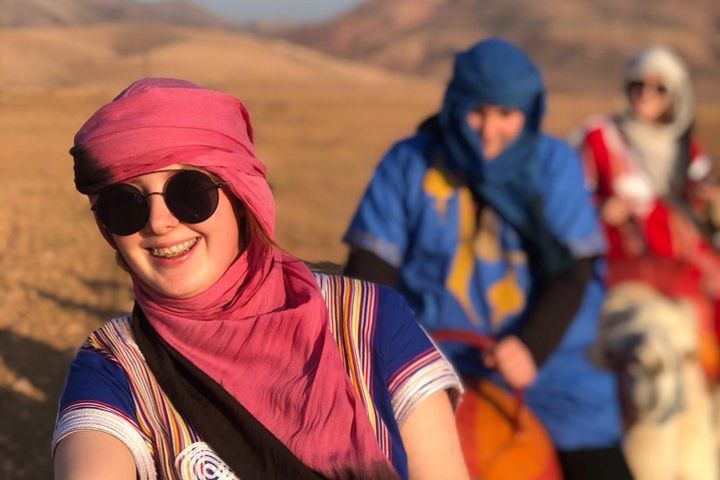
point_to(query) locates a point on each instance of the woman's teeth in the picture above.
(175, 250)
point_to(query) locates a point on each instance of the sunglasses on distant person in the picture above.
(638, 86)
(191, 196)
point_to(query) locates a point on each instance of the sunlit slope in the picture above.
(28, 13)
(117, 53)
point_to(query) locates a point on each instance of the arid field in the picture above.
(321, 126)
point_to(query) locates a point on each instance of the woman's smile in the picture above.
(174, 251)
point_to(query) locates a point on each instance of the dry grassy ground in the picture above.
(57, 276)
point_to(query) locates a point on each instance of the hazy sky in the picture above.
(280, 10)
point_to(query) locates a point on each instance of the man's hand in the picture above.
(514, 362)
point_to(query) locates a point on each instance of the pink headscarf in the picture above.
(260, 332)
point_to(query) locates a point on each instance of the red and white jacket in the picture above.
(657, 228)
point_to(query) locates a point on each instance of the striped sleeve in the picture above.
(97, 397)
(93, 416)
(415, 368)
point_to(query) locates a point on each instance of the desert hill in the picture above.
(20, 13)
(120, 52)
(580, 44)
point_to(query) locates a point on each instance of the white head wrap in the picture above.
(656, 144)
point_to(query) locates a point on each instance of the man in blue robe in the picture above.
(483, 222)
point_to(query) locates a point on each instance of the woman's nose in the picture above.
(490, 128)
(160, 219)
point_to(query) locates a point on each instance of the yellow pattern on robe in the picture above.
(442, 186)
(462, 267)
(505, 297)
(478, 238)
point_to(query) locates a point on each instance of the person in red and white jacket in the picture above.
(645, 163)
(652, 188)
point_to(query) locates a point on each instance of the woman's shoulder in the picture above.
(97, 393)
(412, 154)
(111, 335)
(377, 311)
(376, 318)
(597, 125)
(555, 154)
(97, 371)
(343, 295)
(600, 131)
(335, 286)
(374, 311)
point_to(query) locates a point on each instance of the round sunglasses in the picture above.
(191, 196)
(637, 86)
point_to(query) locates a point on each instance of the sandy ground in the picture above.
(58, 280)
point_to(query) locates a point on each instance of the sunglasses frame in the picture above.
(212, 184)
(641, 85)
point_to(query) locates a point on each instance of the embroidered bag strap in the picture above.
(352, 309)
(157, 417)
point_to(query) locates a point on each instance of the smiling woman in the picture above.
(237, 361)
(656, 194)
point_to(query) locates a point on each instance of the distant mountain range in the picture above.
(115, 53)
(23, 13)
(579, 44)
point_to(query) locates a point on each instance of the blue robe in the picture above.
(461, 273)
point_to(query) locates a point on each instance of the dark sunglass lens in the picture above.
(191, 196)
(635, 86)
(122, 209)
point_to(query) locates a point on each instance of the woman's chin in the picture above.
(182, 287)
